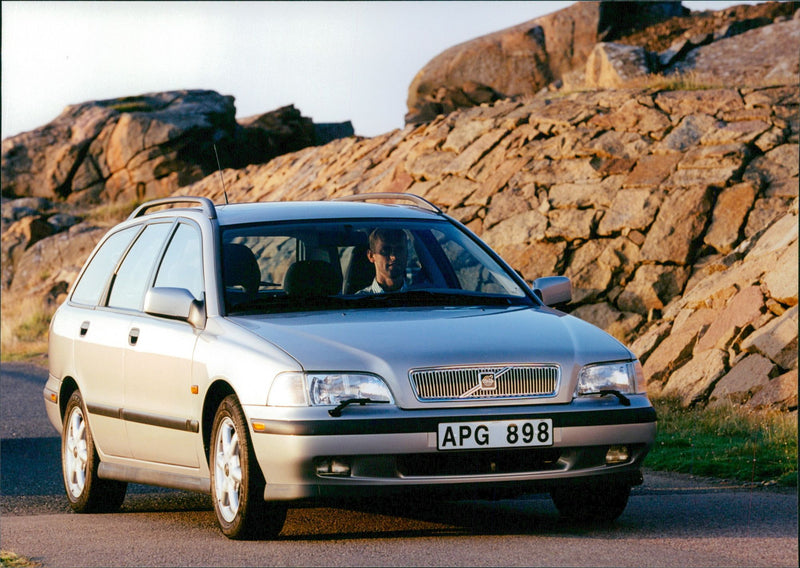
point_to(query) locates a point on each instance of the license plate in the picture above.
(495, 434)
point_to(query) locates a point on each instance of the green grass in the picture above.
(726, 442)
(111, 214)
(688, 81)
(131, 104)
(23, 328)
(35, 326)
(12, 560)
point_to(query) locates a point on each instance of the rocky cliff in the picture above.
(147, 146)
(525, 58)
(672, 207)
(599, 44)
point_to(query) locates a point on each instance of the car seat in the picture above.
(240, 273)
(360, 272)
(312, 278)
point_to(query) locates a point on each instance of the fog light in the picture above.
(333, 467)
(617, 454)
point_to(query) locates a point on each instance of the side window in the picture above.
(131, 280)
(475, 274)
(95, 277)
(182, 265)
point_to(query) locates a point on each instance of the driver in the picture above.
(388, 251)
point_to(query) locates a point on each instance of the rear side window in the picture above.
(136, 269)
(95, 277)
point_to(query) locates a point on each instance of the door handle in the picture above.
(133, 336)
(84, 328)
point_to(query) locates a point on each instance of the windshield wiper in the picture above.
(433, 298)
(282, 303)
(624, 400)
(337, 412)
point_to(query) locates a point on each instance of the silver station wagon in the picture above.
(270, 353)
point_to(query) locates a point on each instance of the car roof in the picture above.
(241, 213)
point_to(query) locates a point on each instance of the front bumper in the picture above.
(390, 450)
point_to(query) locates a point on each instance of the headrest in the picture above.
(240, 267)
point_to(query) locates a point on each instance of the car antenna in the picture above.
(221, 179)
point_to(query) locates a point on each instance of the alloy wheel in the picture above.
(228, 470)
(76, 454)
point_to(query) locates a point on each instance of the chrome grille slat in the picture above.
(462, 383)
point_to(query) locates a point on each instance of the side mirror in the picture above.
(175, 303)
(553, 290)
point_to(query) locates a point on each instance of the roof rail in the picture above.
(205, 204)
(415, 199)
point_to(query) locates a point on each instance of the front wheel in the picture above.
(593, 502)
(237, 485)
(86, 492)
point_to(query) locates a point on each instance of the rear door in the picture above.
(99, 344)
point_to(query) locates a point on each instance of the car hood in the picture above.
(389, 342)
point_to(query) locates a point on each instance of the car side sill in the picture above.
(147, 477)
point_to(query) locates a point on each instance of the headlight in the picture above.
(288, 389)
(626, 377)
(325, 389)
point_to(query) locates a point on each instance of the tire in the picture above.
(237, 485)
(86, 492)
(595, 502)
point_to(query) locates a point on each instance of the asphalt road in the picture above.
(672, 520)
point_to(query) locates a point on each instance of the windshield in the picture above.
(334, 264)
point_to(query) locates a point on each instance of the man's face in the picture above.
(389, 258)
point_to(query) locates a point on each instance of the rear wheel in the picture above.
(86, 492)
(594, 502)
(237, 485)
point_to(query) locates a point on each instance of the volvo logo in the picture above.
(487, 381)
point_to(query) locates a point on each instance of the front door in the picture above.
(162, 412)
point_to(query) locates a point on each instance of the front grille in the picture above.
(478, 463)
(481, 383)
